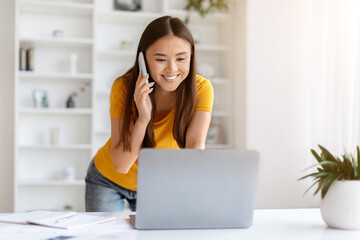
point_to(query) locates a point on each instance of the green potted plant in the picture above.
(339, 183)
(203, 7)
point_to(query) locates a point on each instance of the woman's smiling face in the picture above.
(168, 59)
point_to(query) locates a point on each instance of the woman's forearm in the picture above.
(123, 160)
(195, 145)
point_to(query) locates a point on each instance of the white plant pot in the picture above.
(341, 206)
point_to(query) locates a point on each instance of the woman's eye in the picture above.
(160, 60)
(181, 59)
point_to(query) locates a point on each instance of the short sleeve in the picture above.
(205, 94)
(118, 99)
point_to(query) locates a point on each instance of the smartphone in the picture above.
(142, 65)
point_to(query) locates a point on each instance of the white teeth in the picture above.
(170, 78)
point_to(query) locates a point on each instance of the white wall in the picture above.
(276, 106)
(240, 73)
(6, 104)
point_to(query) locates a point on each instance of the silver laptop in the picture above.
(191, 189)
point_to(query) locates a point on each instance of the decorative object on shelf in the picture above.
(70, 103)
(127, 5)
(213, 133)
(22, 59)
(40, 98)
(68, 207)
(70, 173)
(30, 59)
(203, 7)
(58, 33)
(339, 182)
(73, 63)
(54, 135)
(126, 45)
(206, 70)
(26, 58)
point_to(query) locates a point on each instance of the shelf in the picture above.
(116, 53)
(59, 41)
(127, 16)
(71, 111)
(50, 183)
(52, 7)
(56, 147)
(67, 76)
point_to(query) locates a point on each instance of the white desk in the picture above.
(304, 224)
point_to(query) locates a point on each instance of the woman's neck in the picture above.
(165, 100)
(162, 95)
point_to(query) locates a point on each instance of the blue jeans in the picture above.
(103, 195)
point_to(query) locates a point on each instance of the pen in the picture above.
(66, 218)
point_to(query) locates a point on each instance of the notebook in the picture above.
(63, 220)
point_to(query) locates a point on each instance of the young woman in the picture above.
(173, 110)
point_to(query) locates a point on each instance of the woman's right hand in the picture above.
(142, 99)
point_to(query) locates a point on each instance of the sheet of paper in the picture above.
(109, 230)
(74, 221)
(29, 232)
(24, 218)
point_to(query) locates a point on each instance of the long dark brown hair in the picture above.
(185, 93)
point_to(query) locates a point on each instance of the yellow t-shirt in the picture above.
(162, 130)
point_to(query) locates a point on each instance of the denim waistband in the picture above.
(93, 176)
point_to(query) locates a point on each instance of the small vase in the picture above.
(341, 206)
(70, 103)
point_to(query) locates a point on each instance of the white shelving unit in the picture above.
(40, 164)
(95, 32)
(51, 76)
(53, 183)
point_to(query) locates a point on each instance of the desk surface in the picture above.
(304, 224)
